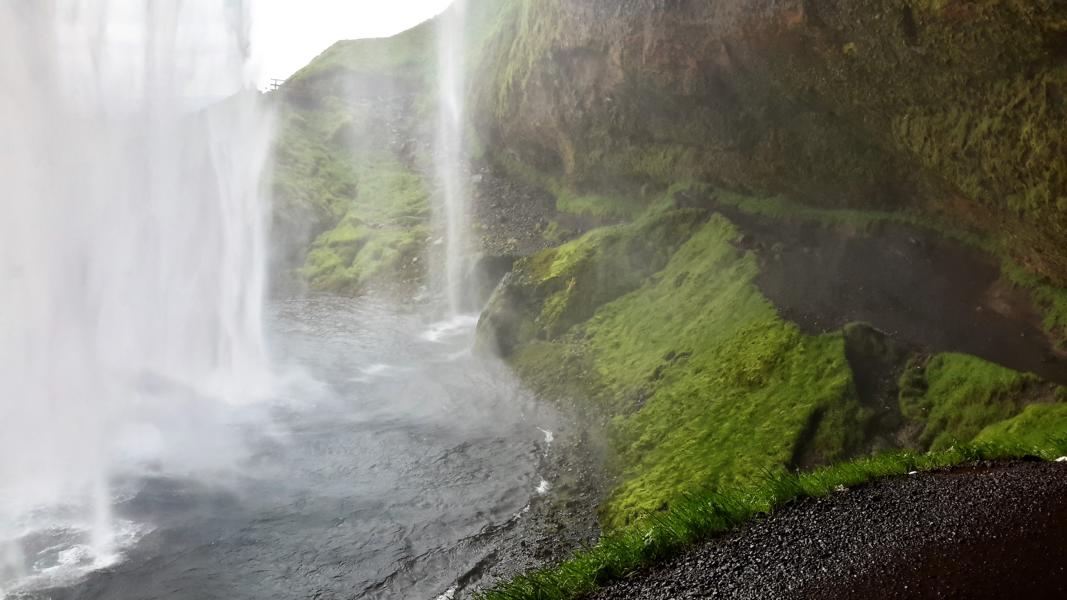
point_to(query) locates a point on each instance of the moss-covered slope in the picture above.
(659, 327)
(351, 191)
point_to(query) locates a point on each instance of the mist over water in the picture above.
(131, 255)
(389, 470)
(150, 446)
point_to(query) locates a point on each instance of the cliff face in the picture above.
(949, 108)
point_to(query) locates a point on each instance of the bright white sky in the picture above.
(289, 33)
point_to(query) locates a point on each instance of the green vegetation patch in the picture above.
(1049, 298)
(600, 207)
(705, 384)
(410, 50)
(710, 385)
(381, 237)
(360, 214)
(584, 274)
(1035, 424)
(952, 397)
(707, 388)
(553, 290)
(313, 180)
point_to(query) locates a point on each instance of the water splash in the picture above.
(132, 244)
(452, 170)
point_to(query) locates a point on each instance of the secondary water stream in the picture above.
(382, 471)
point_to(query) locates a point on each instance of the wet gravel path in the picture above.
(991, 531)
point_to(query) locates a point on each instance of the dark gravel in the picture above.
(990, 531)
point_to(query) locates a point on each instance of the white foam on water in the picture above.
(72, 556)
(543, 488)
(376, 371)
(459, 325)
(549, 436)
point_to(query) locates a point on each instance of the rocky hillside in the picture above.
(350, 186)
(755, 236)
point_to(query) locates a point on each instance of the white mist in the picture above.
(132, 247)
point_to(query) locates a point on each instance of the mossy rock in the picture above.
(700, 381)
(551, 291)
(1038, 425)
(952, 397)
(382, 236)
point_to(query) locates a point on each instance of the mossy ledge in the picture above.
(659, 327)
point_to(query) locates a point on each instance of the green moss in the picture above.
(952, 397)
(553, 290)
(1049, 298)
(1035, 425)
(556, 234)
(706, 386)
(382, 235)
(600, 207)
(605, 264)
(557, 370)
(711, 386)
(312, 181)
(353, 204)
(781, 207)
(411, 50)
(983, 141)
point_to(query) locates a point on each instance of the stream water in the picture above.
(383, 472)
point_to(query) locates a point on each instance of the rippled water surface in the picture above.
(382, 472)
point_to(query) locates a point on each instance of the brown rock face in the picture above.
(953, 108)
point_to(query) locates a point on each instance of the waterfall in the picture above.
(452, 171)
(131, 246)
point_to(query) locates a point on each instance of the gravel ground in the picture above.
(991, 531)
